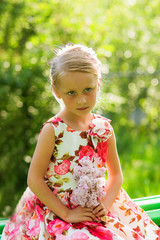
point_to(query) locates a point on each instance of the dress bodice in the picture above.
(70, 146)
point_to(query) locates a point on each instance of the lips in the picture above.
(81, 109)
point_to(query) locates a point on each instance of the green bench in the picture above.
(150, 204)
(152, 207)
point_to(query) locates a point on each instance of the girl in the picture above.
(47, 209)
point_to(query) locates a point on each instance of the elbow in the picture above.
(117, 179)
(31, 182)
(34, 181)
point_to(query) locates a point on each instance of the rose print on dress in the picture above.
(79, 236)
(102, 148)
(86, 151)
(57, 226)
(62, 168)
(97, 230)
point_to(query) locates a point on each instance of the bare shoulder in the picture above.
(112, 138)
(47, 132)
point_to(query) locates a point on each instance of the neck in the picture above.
(75, 119)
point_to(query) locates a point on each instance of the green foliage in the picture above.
(125, 35)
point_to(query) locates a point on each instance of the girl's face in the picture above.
(78, 90)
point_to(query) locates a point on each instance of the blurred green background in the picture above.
(125, 35)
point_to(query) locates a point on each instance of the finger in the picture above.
(91, 215)
(88, 210)
(98, 209)
(89, 219)
(101, 213)
(96, 206)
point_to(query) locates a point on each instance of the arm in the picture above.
(115, 178)
(37, 170)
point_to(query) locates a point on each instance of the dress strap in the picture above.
(54, 121)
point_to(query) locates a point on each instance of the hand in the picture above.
(80, 214)
(100, 212)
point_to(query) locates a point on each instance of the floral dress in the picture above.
(33, 220)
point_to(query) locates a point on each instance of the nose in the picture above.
(81, 100)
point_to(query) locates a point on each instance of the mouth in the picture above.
(82, 109)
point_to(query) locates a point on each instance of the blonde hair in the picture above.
(74, 58)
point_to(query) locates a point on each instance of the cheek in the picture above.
(93, 96)
(69, 101)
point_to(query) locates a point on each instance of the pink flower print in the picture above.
(55, 191)
(57, 227)
(79, 236)
(102, 150)
(104, 234)
(25, 238)
(12, 230)
(62, 237)
(38, 202)
(56, 119)
(99, 231)
(29, 204)
(63, 168)
(39, 213)
(33, 226)
(86, 151)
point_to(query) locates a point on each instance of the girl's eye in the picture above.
(87, 90)
(70, 93)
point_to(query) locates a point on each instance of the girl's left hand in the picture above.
(100, 212)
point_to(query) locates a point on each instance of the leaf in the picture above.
(58, 142)
(60, 190)
(66, 180)
(122, 208)
(111, 220)
(118, 225)
(64, 232)
(61, 134)
(139, 217)
(135, 235)
(76, 152)
(83, 135)
(53, 158)
(56, 176)
(58, 184)
(65, 156)
(132, 220)
(128, 212)
(71, 158)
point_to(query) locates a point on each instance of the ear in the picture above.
(55, 91)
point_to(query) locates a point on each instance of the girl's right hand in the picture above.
(80, 214)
